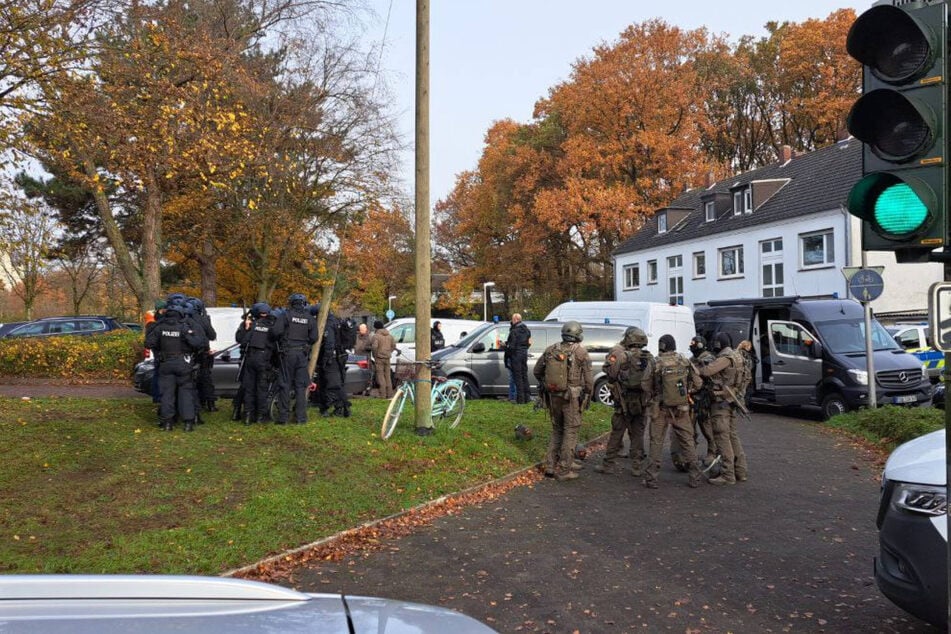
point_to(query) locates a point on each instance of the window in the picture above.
(405, 333)
(652, 271)
(771, 252)
(737, 203)
(748, 200)
(632, 276)
(662, 223)
(700, 264)
(710, 211)
(675, 262)
(495, 338)
(818, 249)
(771, 246)
(731, 261)
(676, 295)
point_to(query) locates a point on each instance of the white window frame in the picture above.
(748, 200)
(662, 222)
(652, 271)
(828, 249)
(675, 262)
(737, 203)
(675, 289)
(699, 255)
(710, 211)
(738, 258)
(632, 276)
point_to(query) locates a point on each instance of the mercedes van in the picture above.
(654, 318)
(812, 352)
(478, 359)
(912, 568)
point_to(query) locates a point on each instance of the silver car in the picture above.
(104, 604)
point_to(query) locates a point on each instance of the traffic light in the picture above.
(902, 120)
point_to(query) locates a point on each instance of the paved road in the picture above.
(789, 551)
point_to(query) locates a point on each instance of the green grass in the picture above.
(890, 426)
(93, 486)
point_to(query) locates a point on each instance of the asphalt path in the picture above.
(788, 551)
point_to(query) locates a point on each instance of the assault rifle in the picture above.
(734, 399)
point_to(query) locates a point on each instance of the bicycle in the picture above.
(448, 397)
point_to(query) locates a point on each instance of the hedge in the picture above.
(891, 426)
(110, 356)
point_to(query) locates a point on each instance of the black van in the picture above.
(812, 352)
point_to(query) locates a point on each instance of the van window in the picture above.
(788, 339)
(404, 333)
(848, 335)
(601, 339)
(909, 339)
(495, 338)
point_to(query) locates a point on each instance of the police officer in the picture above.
(300, 333)
(723, 373)
(670, 385)
(174, 341)
(566, 383)
(206, 359)
(626, 366)
(702, 404)
(259, 333)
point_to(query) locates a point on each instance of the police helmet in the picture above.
(175, 297)
(175, 309)
(721, 341)
(634, 337)
(314, 309)
(297, 300)
(523, 432)
(571, 331)
(199, 306)
(667, 344)
(189, 308)
(260, 309)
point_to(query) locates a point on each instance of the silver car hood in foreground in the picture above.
(103, 604)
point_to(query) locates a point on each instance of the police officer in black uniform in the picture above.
(259, 333)
(300, 333)
(329, 379)
(206, 360)
(176, 340)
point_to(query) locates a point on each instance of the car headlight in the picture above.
(859, 376)
(924, 374)
(921, 498)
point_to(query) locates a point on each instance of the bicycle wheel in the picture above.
(393, 412)
(452, 403)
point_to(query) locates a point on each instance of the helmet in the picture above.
(667, 344)
(297, 300)
(260, 309)
(581, 451)
(199, 305)
(572, 331)
(175, 297)
(634, 336)
(314, 309)
(721, 341)
(697, 345)
(523, 432)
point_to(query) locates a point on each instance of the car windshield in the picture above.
(472, 336)
(848, 336)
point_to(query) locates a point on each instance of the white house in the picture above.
(779, 230)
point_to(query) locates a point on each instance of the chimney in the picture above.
(711, 179)
(786, 154)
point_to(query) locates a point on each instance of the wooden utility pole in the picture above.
(423, 278)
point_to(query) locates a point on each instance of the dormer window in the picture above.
(662, 222)
(748, 200)
(737, 203)
(710, 211)
(743, 201)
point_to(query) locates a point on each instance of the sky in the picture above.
(493, 59)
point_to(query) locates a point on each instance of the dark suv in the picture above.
(51, 326)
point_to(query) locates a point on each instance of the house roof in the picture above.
(817, 181)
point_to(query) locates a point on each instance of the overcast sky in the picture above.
(493, 59)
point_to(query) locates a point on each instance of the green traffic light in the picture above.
(899, 210)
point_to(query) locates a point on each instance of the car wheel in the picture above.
(469, 386)
(833, 405)
(602, 393)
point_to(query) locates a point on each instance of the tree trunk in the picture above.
(207, 266)
(151, 243)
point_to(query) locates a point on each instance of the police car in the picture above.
(914, 339)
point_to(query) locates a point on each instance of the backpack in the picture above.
(673, 380)
(345, 335)
(557, 365)
(744, 371)
(632, 371)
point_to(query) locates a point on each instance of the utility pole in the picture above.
(424, 419)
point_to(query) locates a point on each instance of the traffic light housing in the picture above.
(902, 120)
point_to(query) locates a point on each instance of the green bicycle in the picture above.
(448, 398)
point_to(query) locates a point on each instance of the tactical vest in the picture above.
(259, 335)
(673, 370)
(727, 376)
(171, 344)
(298, 329)
(633, 369)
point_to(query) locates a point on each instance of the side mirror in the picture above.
(815, 350)
(226, 357)
(478, 347)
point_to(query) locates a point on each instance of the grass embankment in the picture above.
(890, 426)
(94, 486)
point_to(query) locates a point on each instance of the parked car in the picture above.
(477, 359)
(403, 331)
(915, 340)
(53, 326)
(228, 364)
(7, 327)
(911, 568)
(133, 325)
(108, 604)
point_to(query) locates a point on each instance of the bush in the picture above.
(110, 355)
(891, 425)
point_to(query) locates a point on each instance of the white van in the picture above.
(654, 318)
(911, 567)
(403, 331)
(225, 320)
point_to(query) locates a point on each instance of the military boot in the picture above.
(189, 425)
(167, 424)
(211, 406)
(236, 411)
(249, 419)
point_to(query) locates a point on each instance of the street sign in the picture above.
(939, 315)
(390, 315)
(866, 285)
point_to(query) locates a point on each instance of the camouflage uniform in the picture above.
(701, 417)
(566, 407)
(677, 417)
(723, 373)
(629, 406)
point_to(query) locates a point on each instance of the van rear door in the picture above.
(795, 373)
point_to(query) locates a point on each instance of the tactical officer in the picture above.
(300, 333)
(174, 341)
(669, 386)
(626, 366)
(206, 359)
(566, 383)
(702, 404)
(724, 372)
(259, 333)
(329, 380)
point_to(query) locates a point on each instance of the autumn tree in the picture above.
(378, 257)
(26, 235)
